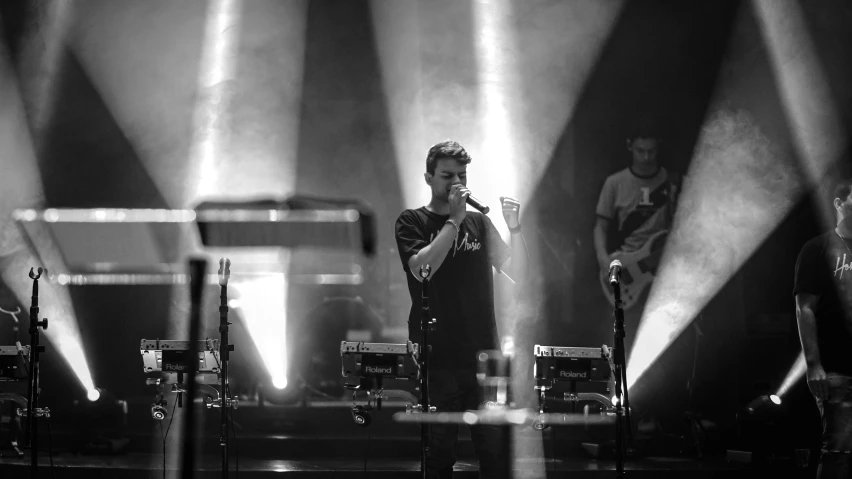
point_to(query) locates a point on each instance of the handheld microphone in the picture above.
(478, 205)
(614, 271)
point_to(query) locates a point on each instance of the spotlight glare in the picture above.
(751, 186)
(796, 372)
(93, 395)
(263, 305)
(818, 138)
(280, 382)
(498, 80)
(221, 35)
(775, 399)
(806, 96)
(21, 186)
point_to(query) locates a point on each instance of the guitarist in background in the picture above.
(634, 209)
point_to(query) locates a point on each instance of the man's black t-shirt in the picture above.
(824, 269)
(461, 292)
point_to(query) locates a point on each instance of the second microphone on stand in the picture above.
(614, 272)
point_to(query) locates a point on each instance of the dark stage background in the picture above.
(680, 63)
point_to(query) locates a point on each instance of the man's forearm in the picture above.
(434, 254)
(600, 242)
(519, 257)
(808, 335)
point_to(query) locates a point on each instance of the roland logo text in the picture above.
(379, 370)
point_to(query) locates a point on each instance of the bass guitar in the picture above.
(638, 270)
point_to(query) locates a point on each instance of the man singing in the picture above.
(460, 247)
(823, 290)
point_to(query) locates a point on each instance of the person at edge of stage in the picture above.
(460, 247)
(823, 290)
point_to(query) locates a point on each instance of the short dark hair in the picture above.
(446, 149)
(842, 190)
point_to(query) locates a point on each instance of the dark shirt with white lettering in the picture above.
(461, 292)
(824, 269)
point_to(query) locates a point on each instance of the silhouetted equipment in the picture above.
(13, 362)
(137, 246)
(343, 224)
(169, 356)
(371, 360)
(370, 364)
(101, 425)
(315, 359)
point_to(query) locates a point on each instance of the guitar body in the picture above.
(638, 270)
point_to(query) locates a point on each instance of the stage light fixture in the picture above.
(761, 431)
(764, 407)
(280, 382)
(101, 423)
(93, 394)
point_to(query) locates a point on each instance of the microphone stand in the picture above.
(622, 412)
(225, 402)
(427, 324)
(33, 412)
(693, 418)
(197, 271)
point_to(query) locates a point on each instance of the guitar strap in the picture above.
(673, 180)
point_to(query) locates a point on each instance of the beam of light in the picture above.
(217, 68)
(495, 173)
(22, 188)
(526, 97)
(236, 150)
(40, 60)
(531, 63)
(263, 306)
(257, 156)
(247, 149)
(805, 94)
(513, 144)
(419, 88)
(808, 106)
(796, 372)
(170, 77)
(739, 192)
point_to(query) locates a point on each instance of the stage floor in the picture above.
(145, 465)
(320, 440)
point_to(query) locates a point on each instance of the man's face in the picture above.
(448, 172)
(644, 151)
(844, 209)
